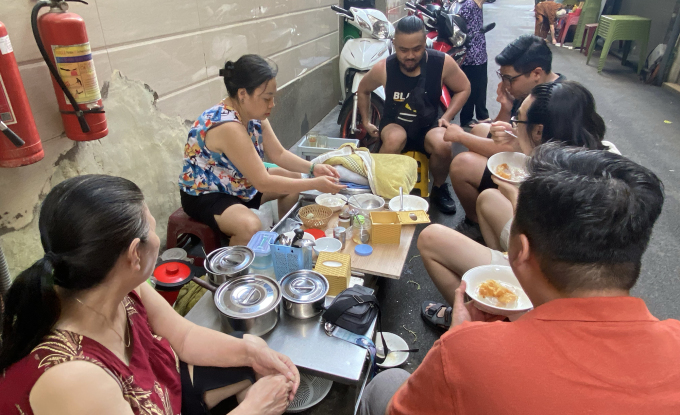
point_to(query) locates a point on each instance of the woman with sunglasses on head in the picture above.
(224, 176)
(553, 112)
(83, 333)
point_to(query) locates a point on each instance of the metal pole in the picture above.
(5, 280)
(670, 47)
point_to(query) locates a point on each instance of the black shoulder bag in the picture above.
(354, 310)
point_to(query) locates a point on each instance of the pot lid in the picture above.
(230, 260)
(174, 254)
(248, 296)
(172, 273)
(304, 286)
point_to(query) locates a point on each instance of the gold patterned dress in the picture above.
(150, 384)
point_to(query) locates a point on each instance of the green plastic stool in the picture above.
(589, 14)
(627, 28)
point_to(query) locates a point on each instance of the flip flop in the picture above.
(431, 317)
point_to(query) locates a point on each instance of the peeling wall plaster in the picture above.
(143, 145)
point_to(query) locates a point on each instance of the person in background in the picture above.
(584, 220)
(224, 176)
(524, 63)
(475, 64)
(413, 77)
(546, 15)
(83, 333)
(564, 113)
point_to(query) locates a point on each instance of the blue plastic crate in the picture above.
(288, 259)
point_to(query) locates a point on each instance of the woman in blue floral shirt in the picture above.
(223, 175)
(474, 65)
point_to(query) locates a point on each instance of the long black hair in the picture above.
(86, 223)
(249, 72)
(568, 115)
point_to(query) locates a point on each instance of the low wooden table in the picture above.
(387, 260)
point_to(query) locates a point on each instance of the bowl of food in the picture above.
(334, 202)
(411, 203)
(366, 202)
(495, 290)
(509, 166)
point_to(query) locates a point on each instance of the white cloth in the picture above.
(347, 150)
(347, 175)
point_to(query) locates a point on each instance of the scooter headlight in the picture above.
(381, 29)
(458, 38)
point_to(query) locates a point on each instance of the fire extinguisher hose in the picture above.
(11, 135)
(80, 113)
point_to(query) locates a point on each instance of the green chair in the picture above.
(589, 14)
(627, 28)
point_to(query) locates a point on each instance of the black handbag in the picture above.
(354, 309)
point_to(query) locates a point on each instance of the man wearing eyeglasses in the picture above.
(524, 63)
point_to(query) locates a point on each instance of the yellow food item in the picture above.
(492, 288)
(310, 216)
(503, 170)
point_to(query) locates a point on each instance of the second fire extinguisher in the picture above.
(62, 39)
(19, 140)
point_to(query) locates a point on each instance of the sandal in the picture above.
(429, 311)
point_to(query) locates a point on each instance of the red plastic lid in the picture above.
(316, 233)
(172, 273)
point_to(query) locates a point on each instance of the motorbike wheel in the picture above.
(365, 140)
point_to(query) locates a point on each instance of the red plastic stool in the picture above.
(571, 20)
(588, 32)
(180, 223)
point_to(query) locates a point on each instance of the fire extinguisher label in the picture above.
(5, 45)
(76, 68)
(6, 111)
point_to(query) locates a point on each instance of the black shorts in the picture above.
(208, 378)
(415, 143)
(486, 182)
(203, 208)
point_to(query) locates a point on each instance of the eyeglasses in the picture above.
(514, 121)
(509, 79)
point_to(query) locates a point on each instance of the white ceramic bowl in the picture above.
(513, 160)
(394, 342)
(331, 201)
(410, 203)
(327, 245)
(474, 277)
(368, 202)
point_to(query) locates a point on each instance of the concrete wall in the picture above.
(659, 11)
(159, 61)
(395, 9)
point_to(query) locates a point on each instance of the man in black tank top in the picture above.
(413, 78)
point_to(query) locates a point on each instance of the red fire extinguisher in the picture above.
(62, 39)
(20, 144)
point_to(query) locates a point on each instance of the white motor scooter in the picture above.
(357, 57)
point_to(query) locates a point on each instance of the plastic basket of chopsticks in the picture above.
(315, 216)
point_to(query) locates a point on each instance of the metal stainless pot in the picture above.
(304, 293)
(248, 303)
(228, 262)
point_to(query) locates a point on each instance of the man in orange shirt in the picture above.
(583, 220)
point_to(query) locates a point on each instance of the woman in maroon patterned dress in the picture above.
(84, 334)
